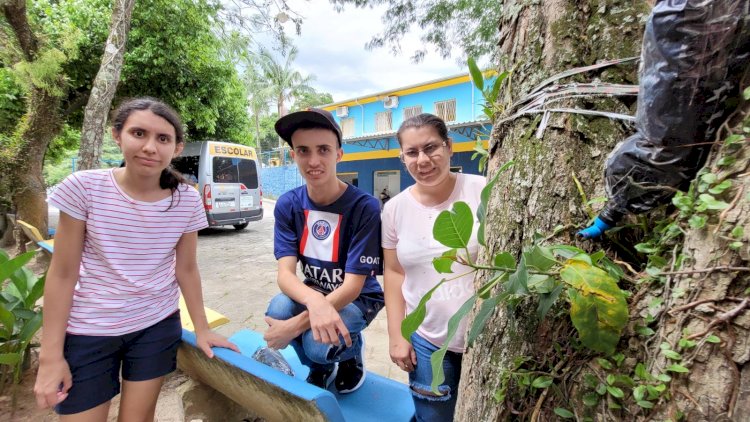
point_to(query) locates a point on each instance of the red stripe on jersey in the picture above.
(305, 233)
(335, 252)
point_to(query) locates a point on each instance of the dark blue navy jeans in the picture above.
(433, 408)
(356, 316)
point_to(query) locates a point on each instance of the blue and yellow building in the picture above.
(369, 124)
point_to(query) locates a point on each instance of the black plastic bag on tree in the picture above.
(274, 359)
(695, 53)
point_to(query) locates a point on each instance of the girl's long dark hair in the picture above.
(170, 178)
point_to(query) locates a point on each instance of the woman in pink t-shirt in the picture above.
(408, 250)
(125, 242)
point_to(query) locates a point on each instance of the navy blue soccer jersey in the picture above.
(328, 241)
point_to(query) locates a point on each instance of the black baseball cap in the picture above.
(306, 119)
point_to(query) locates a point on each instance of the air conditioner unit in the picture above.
(342, 111)
(390, 102)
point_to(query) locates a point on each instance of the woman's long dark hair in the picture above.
(170, 178)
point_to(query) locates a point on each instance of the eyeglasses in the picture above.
(430, 150)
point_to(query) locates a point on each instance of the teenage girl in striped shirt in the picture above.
(126, 239)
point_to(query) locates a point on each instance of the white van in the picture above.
(228, 177)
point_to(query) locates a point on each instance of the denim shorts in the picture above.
(96, 362)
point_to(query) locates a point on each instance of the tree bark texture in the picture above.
(22, 167)
(104, 86)
(698, 302)
(537, 40)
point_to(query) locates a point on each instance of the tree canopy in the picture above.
(469, 25)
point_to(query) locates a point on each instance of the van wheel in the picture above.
(240, 226)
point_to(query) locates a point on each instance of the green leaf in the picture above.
(597, 305)
(697, 221)
(541, 283)
(712, 203)
(543, 381)
(645, 404)
(604, 363)
(546, 300)
(505, 260)
(566, 251)
(664, 378)
(518, 282)
(721, 187)
(7, 268)
(10, 358)
(413, 320)
(540, 258)
(713, 339)
(639, 392)
(613, 269)
(601, 389)
(438, 376)
(476, 74)
(30, 328)
(738, 232)
(590, 399)
(453, 227)
(23, 278)
(615, 392)
(642, 373)
(731, 139)
(37, 290)
(647, 248)
(678, 368)
(7, 319)
(746, 93)
(444, 262)
(485, 311)
(671, 354)
(610, 379)
(564, 413)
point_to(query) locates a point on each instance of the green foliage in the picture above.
(597, 305)
(312, 98)
(490, 93)
(470, 25)
(20, 317)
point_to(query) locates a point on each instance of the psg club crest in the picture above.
(321, 229)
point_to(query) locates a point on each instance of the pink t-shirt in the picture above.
(407, 228)
(127, 276)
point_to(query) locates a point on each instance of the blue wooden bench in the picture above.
(275, 396)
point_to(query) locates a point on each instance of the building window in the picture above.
(347, 127)
(410, 112)
(446, 110)
(383, 122)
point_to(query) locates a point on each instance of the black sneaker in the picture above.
(352, 372)
(322, 377)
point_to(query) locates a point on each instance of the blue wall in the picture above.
(468, 107)
(277, 180)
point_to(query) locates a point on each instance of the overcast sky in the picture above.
(332, 47)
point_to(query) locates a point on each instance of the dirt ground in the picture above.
(238, 270)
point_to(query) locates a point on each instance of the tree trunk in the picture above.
(23, 166)
(539, 193)
(104, 86)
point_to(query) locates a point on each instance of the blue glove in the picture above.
(595, 230)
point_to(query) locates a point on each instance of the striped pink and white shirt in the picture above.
(127, 277)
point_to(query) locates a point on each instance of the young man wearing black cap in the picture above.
(333, 230)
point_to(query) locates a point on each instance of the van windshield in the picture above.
(235, 170)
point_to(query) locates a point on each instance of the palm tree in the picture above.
(283, 81)
(259, 98)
